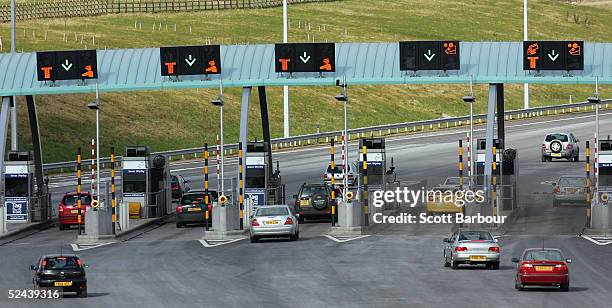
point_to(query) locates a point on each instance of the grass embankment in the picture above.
(180, 119)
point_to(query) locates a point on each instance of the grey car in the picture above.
(192, 210)
(471, 247)
(274, 221)
(571, 189)
(560, 145)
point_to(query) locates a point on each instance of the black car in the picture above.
(179, 186)
(191, 207)
(313, 201)
(65, 271)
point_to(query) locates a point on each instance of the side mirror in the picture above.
(554, 184)
(515, 260)
(568, 260)
(294, 196)
(446, 240)
(33, 267)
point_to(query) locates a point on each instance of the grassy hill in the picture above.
(180, 119)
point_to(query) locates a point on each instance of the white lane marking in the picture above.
(597, 240)
(81, 247)
(215, 243)
(345, 238)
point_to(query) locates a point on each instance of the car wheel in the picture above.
(297, 235)
(565, 287)
(179, 225)
(548, 159)
(61, 227)
(494, 265)
(446, 263)
(577, 157)
(543, 158)
(254, 239)
(519, 286)
(555, 203)
(82, 293)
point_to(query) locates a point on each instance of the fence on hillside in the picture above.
(78, 8)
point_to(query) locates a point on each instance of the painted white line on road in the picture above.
(600, 241)
(215, 243)
(81, 247)
(345, 238)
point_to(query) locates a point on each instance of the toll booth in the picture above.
(19, 187)
(144, 180)
(262, 185)
(377, 162)
(481, 149)
(600, 206)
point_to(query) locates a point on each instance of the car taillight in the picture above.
(179, 209)
(289, 221)
(527, 265)
(44, 264)
(461, 248)
(61, 208)
(301, 213)
(494, 249)
(569, 146)
(80, 263)
(543, 145)
(175, 187)
(556, 190)
(254, 223)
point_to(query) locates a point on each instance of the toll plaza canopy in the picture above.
(253, 65)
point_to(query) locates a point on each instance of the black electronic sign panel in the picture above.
(190, 60)
(305, 57)
(553, 55)
(66, 65)
(429, 55)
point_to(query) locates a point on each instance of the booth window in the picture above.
(134, 182)
(375, 174)
(605, 176)
(16, 187)
(255, 178)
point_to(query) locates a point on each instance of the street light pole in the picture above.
(286, 132)
(14, 107)
(525, 85)
(222, 144)
(471, 128)
(98, 142)
(346, 150)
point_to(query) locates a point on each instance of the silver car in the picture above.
(471, 247)
(571, 189)
(560, 145)
(274, 221)
(339, 175)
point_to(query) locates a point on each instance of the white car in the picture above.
(339, 175)
(560, 145)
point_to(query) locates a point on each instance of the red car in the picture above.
(542, 267)
(68, 210)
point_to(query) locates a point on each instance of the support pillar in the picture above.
(4, 119)
(41, 192)
(265, 124)
(490, 135)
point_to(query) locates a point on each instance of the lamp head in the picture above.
(93, 105)
(469, 99)
(341, 98)
(594, 100)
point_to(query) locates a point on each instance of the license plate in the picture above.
(572, 190)
(543, 268)
(555, 154)
(74, 211)
(272, 222)
(63, 284)
(478, 258)
(194, 209)
(304, 202)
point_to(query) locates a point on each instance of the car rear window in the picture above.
(337, 169)
(310, 191)
(51, 263)
(543, 255)
(198, 198)
(475, 236)
(452, 181)
(560, 137)
(272, 211)
(72, 199)
(572, 182)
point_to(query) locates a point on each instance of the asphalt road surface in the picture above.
(397, 266)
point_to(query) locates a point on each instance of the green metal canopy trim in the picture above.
(253, 65)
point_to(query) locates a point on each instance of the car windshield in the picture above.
(52, 263)
(272, 211)
(198, 198)
(72, 199)
(452, 181)
(560, 137)
(543, 255)
(337, 169)
(311, 191)
(572, 182)
(475, 236)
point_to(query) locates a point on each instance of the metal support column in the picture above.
(265, 125)
(4, 119)
(244, 129)
(489, 136)
(38, 163)
(501, 131)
